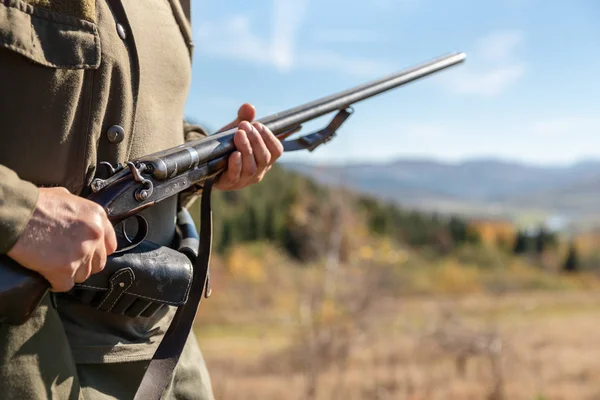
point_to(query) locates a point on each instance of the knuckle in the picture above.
(96, 230)
(251, 170)
(253, 135)
(268, 157)
(71, 269)
(243, 142)
(80, 250)
(96, 209)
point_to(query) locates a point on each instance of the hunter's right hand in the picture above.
(66, 239)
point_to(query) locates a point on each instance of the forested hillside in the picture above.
(298, 215)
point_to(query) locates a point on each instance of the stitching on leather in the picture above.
(112, 287)
(127, 271)
(90, 287)
(173, 303)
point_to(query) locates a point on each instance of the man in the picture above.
(85, 81)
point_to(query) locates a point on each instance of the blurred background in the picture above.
(446, 244)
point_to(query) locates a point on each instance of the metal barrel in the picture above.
(284, 120)
(171, 162)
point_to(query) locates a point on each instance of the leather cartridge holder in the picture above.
(140, 281)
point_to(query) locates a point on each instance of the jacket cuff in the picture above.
(18, 199)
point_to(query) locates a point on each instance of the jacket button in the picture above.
(115, 134)
(121, 31)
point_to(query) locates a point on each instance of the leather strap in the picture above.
(160, 370)
(163, 363)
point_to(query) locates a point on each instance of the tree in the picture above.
(520, 243)
(572, 261)
(543, 240)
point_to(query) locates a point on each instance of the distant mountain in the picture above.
(481, 186)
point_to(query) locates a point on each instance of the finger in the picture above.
(262, 156)
(110, 238)
(98, 261)
(246, 112)
(273, 144)
(85, 270)
(231, 176)
(242, 143)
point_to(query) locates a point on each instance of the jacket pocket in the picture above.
(47, 63)
(48, 38)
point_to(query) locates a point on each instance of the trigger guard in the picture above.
(139, 237)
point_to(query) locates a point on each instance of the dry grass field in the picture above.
(530, 346)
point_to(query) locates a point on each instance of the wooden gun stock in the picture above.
(21, 291)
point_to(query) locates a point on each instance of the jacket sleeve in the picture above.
(192, 132)
(17, 202)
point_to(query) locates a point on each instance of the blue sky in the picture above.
(529, 90)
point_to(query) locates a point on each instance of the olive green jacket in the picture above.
(84, 81)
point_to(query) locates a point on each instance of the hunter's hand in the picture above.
(66, 239)
(257, 151)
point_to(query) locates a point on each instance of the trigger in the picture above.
(140, 235)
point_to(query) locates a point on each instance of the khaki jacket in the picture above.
(84, 81)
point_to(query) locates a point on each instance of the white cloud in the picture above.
(491, 68)
(235, 39)
(288, 17)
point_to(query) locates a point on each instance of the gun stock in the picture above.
(21, 291)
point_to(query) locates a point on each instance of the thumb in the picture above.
(246, 112)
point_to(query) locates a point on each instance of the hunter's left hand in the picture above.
(257, 150)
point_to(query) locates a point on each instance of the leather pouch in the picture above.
(139, 282)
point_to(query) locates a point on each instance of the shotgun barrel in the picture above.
(169, 163)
